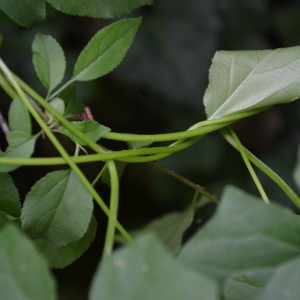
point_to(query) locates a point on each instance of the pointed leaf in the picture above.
(92, 129)
(24, 12)
(98, 8)
(246, 80)
(60, 257)
(49, 60)
(9, 196)
(18, 117)
(23, 271)
(21, 145)
(58, 209)
(144, 270)
(105, 50)
(245, 234)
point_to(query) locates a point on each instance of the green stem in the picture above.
(113, 209)
(268, 171)
(59, 147)
(249, 166)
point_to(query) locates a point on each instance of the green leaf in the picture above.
(296, 173)
(60, 257)
(144, 270)
(58, 104)
(105, 50)
(74, 108)
(246, 285)
(98, 8)
(285, 283)
(245, 234)
(18, 117)
(49, 60)
(247, 80)
(92, 129)
(57, 209)
(170, 228)
(9, 196)
(24, 12)
(23, 271)
(21, 145)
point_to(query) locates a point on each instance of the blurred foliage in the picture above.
(159, 88)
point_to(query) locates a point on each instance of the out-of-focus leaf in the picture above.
(24, 12)
(246, 285)
(18, 117)
(144, 270)
(170, 228)
(23, 271)
(9, 196)
(296, 173)
(21, 145)
(57, 209)
(49, 60)
(92, 129)
(105, 50)
(285, 283)
(245, 234)
(60, 257)
(247, 80)
(98, 8)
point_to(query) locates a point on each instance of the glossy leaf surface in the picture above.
(247, 80)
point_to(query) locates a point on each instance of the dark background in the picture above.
(159, 88)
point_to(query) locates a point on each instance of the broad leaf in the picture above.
(105, 50)
(60, 257)
(18, 117)
(285, 283)
(98, 8)
(245, 234)
(92, 129)
(57, 209)
(23, 271)
(9, 196)
(24, 12)
(21, 145)
(49, 60)
(246, 80)
(170, 228)
(246, 285)
(144, 270)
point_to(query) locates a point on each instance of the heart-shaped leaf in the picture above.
(57, 209)
(247, 80)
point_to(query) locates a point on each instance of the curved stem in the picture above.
(113, 209)
(269, 172)
(249, 166)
